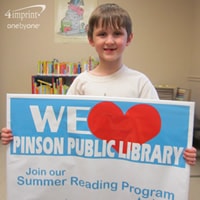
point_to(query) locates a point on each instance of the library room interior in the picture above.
(37, 59)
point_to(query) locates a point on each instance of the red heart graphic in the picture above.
(140, 124)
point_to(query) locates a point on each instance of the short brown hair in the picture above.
(109, 15)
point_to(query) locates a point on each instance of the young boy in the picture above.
(110, 32)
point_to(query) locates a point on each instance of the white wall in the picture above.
(194, 80)
(166, 44)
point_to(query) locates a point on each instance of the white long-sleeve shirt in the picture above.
(125, 82)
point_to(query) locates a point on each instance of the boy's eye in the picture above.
(118, 33)
(102, 34)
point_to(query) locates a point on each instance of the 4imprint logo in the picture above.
(25, 13)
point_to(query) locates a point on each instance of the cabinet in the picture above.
(166, 92)
(51, 84)
(173, 93)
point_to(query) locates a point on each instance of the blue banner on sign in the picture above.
(149, 133)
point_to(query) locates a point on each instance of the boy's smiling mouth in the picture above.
(110, 49)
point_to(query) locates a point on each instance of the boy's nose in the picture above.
(109, 39)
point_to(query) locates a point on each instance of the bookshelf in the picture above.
(54, 77)
(51, 84)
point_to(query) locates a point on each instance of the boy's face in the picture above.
(109, 42)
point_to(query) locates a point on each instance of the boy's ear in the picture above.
(129, 39)
(91, 42)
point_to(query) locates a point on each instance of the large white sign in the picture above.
(72, 148)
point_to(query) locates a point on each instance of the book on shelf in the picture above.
(183, 94)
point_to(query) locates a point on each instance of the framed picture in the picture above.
(71, 20)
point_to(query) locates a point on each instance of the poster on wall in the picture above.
(73, 147)
(71, 19)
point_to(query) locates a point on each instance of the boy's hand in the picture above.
(190, 155)
(6, 136)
